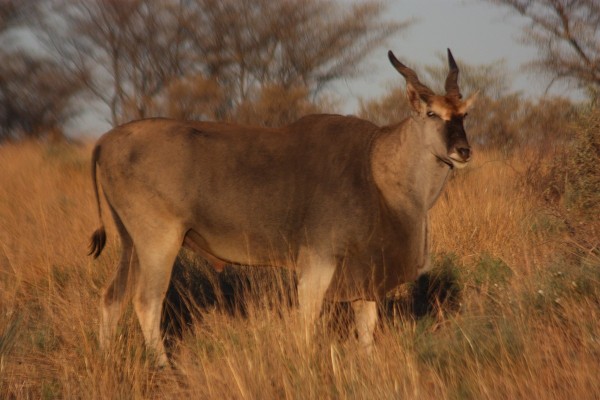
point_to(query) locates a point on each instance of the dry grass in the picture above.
(528, 324)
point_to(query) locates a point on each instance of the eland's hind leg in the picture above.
(315, 274)
(157, 252)
(115, 295)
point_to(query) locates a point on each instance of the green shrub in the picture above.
(580, 170)
(491, 271)
(568, 178)
(567, 281)
(474, 340)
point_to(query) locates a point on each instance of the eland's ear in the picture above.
(469, 102)
(416, 100)
(418, 94)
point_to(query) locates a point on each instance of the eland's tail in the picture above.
(98, 239)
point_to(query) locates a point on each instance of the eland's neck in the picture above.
(406, 172)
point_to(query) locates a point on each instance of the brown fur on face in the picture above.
(447, 107)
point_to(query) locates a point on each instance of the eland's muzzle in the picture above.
(464, 153)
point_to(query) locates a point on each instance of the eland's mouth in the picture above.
(446, 161)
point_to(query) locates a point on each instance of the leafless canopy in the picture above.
(35, 93)
(567, 34)
(139, 53)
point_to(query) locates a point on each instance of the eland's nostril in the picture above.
(465, 152)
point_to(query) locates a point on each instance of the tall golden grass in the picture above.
(528, 324)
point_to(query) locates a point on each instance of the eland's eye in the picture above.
(431, 114)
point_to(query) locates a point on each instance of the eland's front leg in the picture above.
(365, 318)
(315, 274)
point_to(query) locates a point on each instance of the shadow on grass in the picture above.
(197, 288)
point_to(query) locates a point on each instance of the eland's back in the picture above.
(264, 189)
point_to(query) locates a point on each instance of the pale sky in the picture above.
(475, 30)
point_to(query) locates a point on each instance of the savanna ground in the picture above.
(516, 246)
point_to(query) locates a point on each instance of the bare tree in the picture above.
(35, 92)
(135, 55)
(392, 107)
(277, 105)
(35, 97)
(567, 34)
(293, 43)
(8, 12)
(125, 52)
(193, 97)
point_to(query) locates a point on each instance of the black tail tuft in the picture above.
(97, 242)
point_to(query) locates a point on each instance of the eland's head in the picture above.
(441, 116)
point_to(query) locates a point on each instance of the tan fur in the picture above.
(365, 316)
(340, 199)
